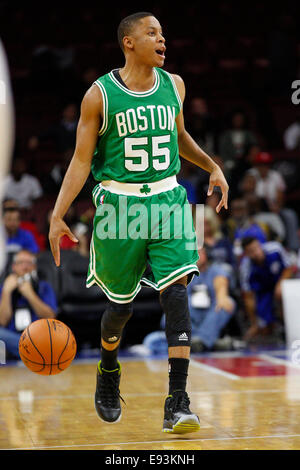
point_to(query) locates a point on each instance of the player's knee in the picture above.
(174, 302)
(114, 320)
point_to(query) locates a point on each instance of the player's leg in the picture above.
(107, 396)
(173, 256)
(178, 417)
(116, 265)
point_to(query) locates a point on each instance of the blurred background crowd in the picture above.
(238, 62)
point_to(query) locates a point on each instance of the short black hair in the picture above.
(247, 241)
(125, 27)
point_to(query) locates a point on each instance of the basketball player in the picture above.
(130, 134)
(6, 137)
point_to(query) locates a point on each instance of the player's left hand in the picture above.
(217, 178)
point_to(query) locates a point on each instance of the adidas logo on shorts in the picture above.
(183, 337)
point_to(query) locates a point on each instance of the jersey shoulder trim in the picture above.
(175, 88)
(105, 106)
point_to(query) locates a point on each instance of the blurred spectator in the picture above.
(272, 222)
(291, 136)
(269, 183)
(241, 224)
(210, 304)
(235, 141)
(291, 223)
(21, 186)
(220, 247)
(271, 187)
(62, 134)
(201, 125)
(262, 269)
(16, 237)
(9, 204)
(24, 299)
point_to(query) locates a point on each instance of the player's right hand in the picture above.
(58, 228)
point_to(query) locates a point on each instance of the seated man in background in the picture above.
(210, 304)
(262, 269)
(241, 224)
(24, 299)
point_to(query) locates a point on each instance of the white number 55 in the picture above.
(131, 154)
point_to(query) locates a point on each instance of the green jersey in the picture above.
(138, 138)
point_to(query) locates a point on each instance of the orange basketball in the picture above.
(47, 346)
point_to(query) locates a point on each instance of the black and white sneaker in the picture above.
(178, 418)
(107, 396)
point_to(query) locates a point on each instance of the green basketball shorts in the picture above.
(137, 228)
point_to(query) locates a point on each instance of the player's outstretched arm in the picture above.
(79, 168)
(189, 150)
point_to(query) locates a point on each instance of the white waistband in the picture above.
(140, 189)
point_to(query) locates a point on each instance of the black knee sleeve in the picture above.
(174, 302)
(114, 319)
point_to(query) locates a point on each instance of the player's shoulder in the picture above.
(177, 79)
(179, 84)
(92, 101)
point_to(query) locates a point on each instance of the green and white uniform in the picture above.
(142, 213)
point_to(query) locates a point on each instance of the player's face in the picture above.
(148, 42)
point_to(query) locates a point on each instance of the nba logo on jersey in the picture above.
(102, 199)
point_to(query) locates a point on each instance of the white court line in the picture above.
(274, 436)
(135, 395)
(218, 354)
(214, 370)
(276, 360)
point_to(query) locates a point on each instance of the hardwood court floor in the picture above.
(239, 406)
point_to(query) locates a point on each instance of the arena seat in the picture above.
(76, 300)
